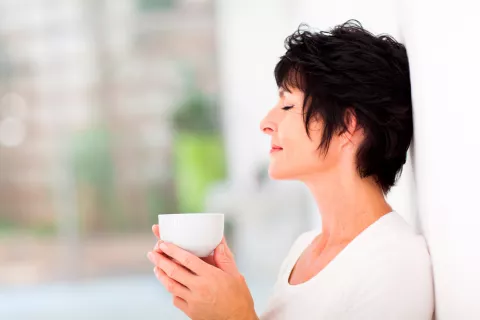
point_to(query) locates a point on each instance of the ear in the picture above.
(350, 135)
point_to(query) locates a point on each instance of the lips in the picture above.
(275, 148)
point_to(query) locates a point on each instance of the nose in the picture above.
(267, 125)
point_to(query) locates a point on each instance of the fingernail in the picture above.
(222, 249)
(163, 246)
(157, 246)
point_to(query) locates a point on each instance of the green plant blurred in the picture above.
(199, 162)
(199, 155)
(196, 114)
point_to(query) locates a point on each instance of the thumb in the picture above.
(224, 259)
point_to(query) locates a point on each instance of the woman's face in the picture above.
(294, 155)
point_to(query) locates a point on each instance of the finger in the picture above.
(172, 286)
(156, 230)
(209, 260)
(227, 248)
(224, 260)
(223, 249)
(157, 247)
(181, 304)
(172, 269)
(187, 259)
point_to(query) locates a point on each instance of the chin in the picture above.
(277, 174)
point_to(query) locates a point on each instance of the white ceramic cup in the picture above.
(198, 233)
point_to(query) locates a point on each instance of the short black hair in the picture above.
(348, 70)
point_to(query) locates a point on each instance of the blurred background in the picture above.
(113, 111)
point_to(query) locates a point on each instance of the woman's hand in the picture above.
(212, 289)
(156, 231)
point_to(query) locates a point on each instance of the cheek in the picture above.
(298, 146)
(300, 151)
(300, 154)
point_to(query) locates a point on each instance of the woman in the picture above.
(342, 125)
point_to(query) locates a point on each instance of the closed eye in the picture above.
(287, 108)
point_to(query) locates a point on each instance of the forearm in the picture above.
(245, 316)
(252, 316)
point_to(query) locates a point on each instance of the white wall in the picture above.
(442, 40)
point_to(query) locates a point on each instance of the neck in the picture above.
(347, 203)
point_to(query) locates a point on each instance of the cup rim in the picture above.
(191, 213)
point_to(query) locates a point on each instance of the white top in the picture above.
(384, 273)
